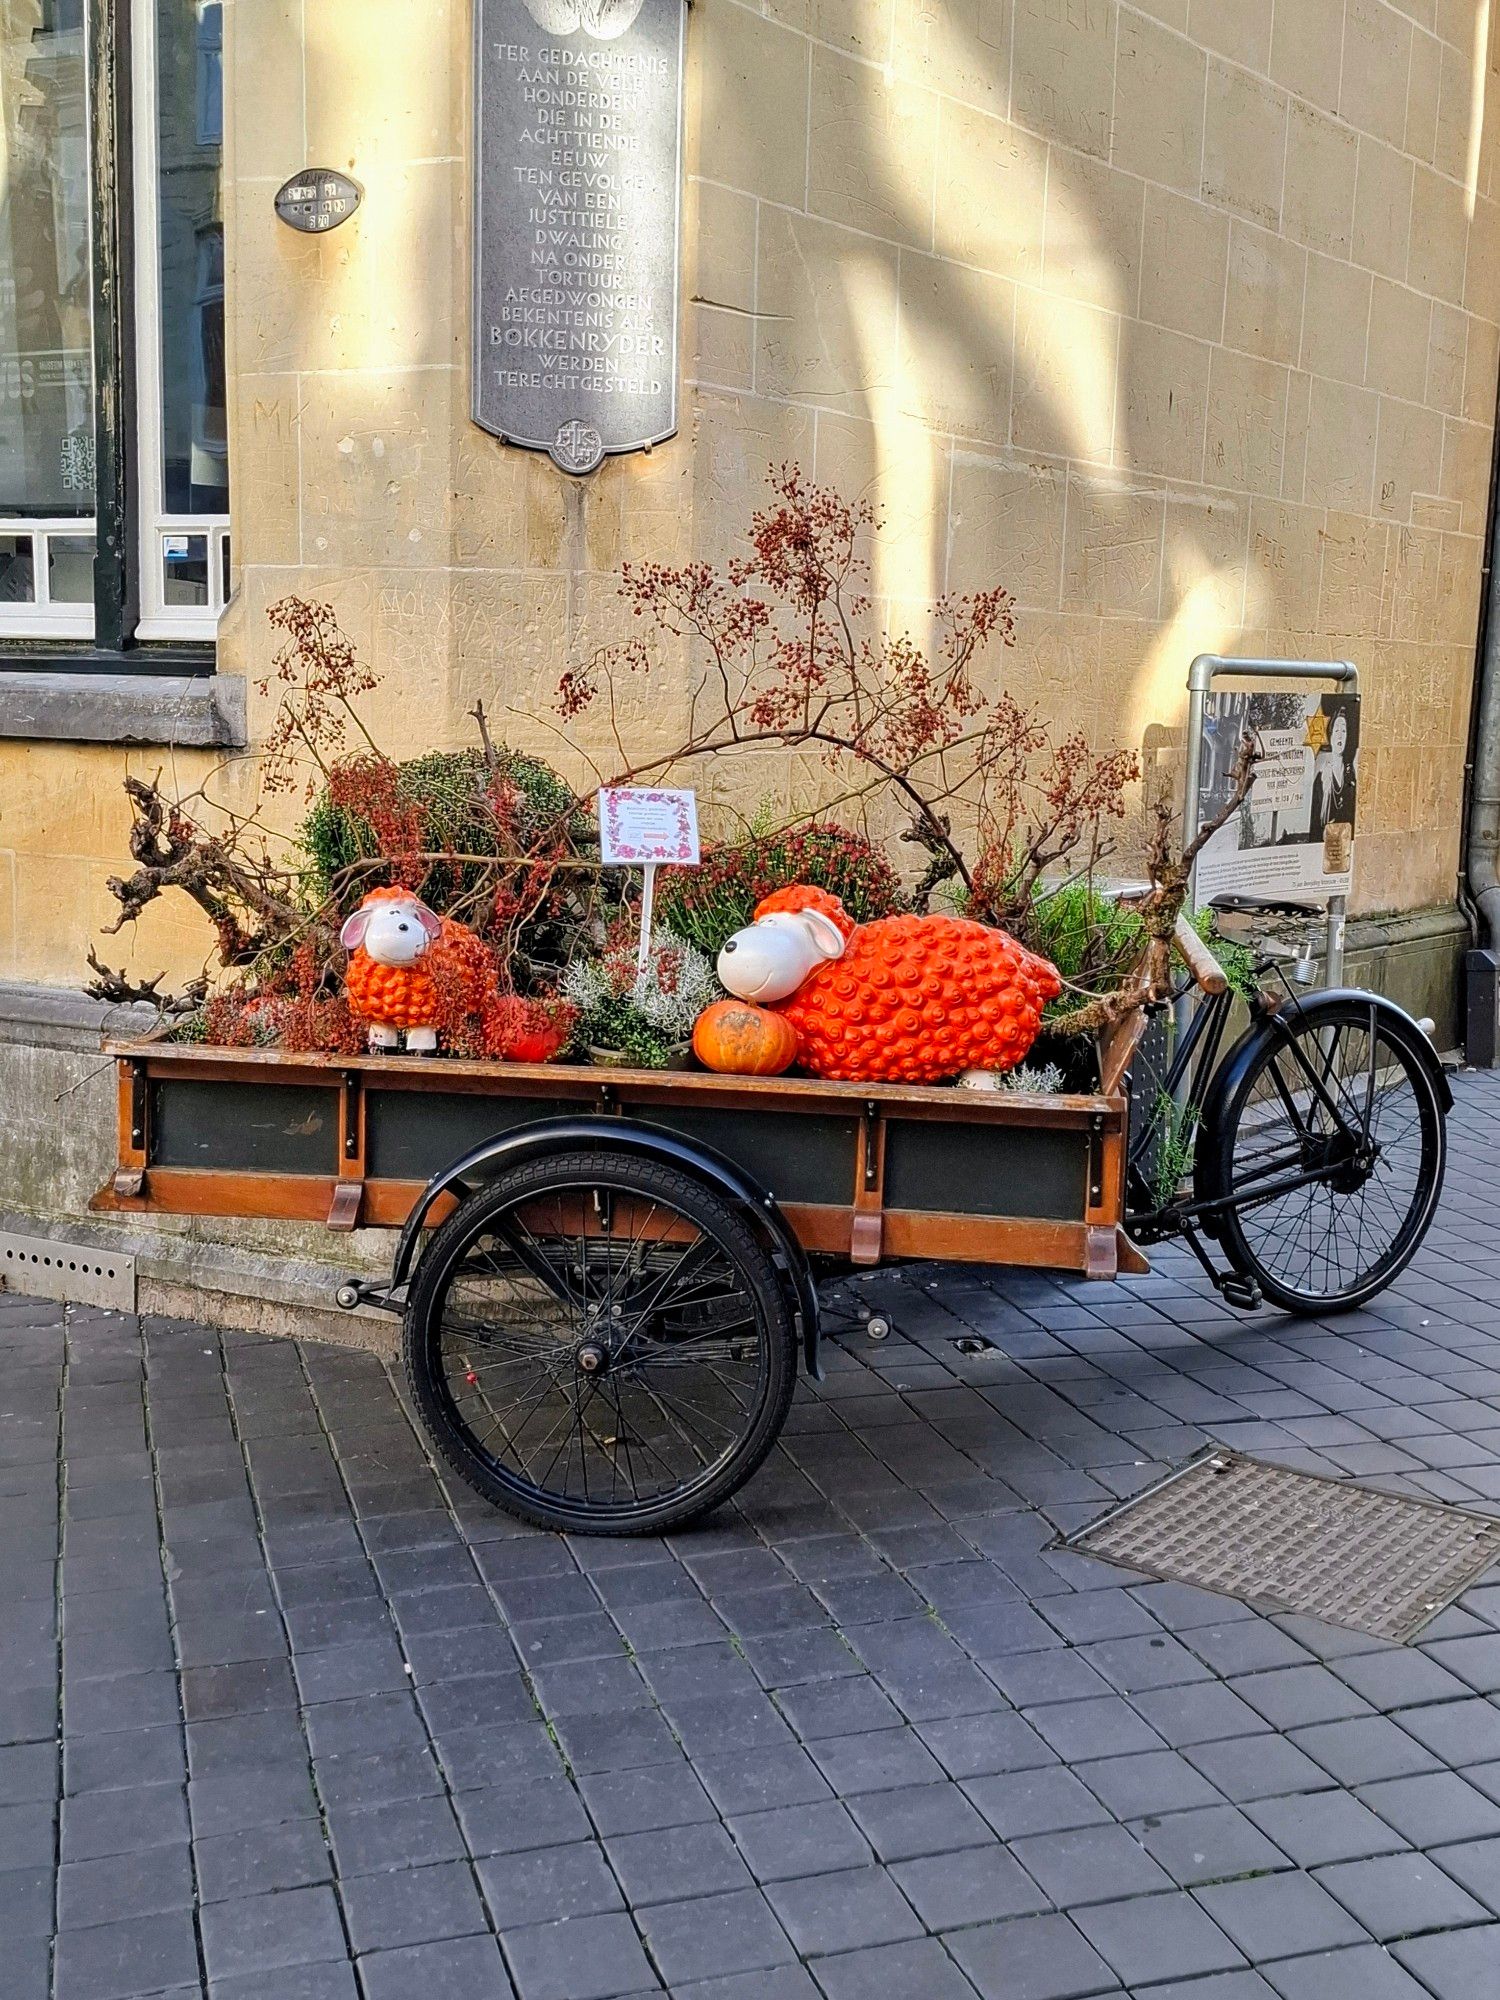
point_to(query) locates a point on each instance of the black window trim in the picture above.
(116, 487)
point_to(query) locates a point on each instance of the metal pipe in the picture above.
(1482, 834)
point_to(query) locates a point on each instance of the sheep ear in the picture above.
(352, 936)
(826, 934)
(430, 923)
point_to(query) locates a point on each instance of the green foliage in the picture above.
(708, 904)
(454, 794)
(1178, 1127)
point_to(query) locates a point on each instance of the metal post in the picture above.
(1205, 670)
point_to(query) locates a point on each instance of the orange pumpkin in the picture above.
(738, 1039)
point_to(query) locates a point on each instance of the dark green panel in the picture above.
(986, 1170)
(253, 1127)
(412, 1134)
(799, 1156)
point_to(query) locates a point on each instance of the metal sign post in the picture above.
(1205, 670)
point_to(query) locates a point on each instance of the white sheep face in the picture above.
(769, 959)
(395, 931)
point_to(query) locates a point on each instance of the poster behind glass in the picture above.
(1294, 835)
(46, 394)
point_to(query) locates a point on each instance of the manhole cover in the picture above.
(1291, 1541)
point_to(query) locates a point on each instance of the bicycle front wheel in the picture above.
(1329, 1154)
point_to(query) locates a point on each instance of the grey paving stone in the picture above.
(636, 1801)
(149, 1883)
(714, 1935)
(411, 1906)
(332, 1980)
(467, 1968)
(919, 1819)
(549, 1883)
(1438, 1806)
(1364, 1751)
(798, 1840)
(1458, 1732)
(1280, 1916)
(1476, 1865)
(1315, 1827)
(263, 1933)
(1047, 1801)
(1399, 1895)
(843, 1912)
(883, 1970)
(1207, 1712)
(840, 1708)
(1155, 1938)
(676, 1863)
(508, 1819)
(1458, 1966)
(1363, 1972)
(406, 1833)
(1161, 1781)
(292, 1855)
(1098, 1864)
(975, 1886)
(26, 1902)
(756, 1780)
(103, 1823)
(877, 1760)
(137, 1955)
(1399, 1679)
(781, 1982)
(1032, 1958)
(1260, 1767)
(1212, 1844)
(27, 1834)
(973, 1746)
(1291, 1697)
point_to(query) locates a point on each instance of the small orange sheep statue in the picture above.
(903, 999)
(402, 954)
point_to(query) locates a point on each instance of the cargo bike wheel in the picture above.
(599, 1344)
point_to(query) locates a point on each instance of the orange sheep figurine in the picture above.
(903, 999)
(401, 952)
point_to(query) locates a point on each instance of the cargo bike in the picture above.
(607, 1275)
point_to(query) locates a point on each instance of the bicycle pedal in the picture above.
(1239, 1291)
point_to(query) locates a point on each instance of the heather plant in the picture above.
(707, 904)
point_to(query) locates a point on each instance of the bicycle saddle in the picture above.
(1264, 906)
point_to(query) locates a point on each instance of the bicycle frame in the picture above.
(1149, 1219)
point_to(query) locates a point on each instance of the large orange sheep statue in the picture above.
(400, 951)
(903, 999)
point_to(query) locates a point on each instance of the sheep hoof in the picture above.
(421, 1041)
(382, 1039)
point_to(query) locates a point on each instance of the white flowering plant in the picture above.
(647, 1016)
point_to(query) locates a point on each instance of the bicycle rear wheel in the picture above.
(1330, 1153)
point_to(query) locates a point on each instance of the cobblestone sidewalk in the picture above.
(290, 1720)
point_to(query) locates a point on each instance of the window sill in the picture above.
(188, 710)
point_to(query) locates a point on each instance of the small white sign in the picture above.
(648, 827)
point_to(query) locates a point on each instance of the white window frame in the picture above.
(158, 619)
(39, 617)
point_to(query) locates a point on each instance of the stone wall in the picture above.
(1180, 319)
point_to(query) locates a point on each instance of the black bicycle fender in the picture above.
(756, 1206)
(1231, 1072)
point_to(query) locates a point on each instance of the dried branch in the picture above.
(118, 989)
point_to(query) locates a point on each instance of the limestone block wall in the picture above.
(1180, 318)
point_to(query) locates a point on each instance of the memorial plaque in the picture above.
(578, 158)
(317, 200)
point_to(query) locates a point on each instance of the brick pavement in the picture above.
(330, 1728)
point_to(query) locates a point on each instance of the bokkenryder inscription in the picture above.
(578, 142)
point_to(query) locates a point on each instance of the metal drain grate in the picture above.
(1291, 1541)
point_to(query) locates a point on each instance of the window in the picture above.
(114, 509)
